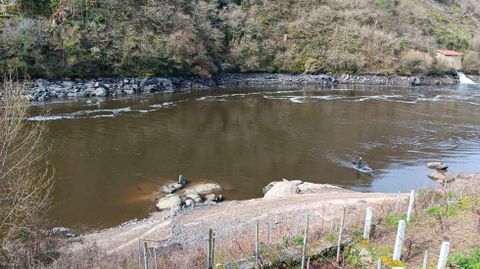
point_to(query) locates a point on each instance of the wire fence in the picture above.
(327, 235)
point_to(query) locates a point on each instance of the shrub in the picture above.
(25, 43)
(25, 184)
(415, 62)
(471, 62)
(471, 261)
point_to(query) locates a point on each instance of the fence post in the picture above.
(397, 203)
(410, 205)
(399, 240)
(155, 261)
(257, 243)
(425, 260)
(442, 260)
(209, 250)
(145, 255)
(368, 224)
(268, 231)
(379, 264)
(340, 234)
(139, 250)
(305, 241)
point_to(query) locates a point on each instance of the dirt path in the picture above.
(189, 228)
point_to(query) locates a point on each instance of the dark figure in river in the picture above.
(358, 162)
(361, 166)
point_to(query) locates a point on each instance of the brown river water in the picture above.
(111, 157)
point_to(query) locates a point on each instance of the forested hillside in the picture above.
(81, 38)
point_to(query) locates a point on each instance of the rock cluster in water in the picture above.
(441, 174)
(179, 197)
(43, 90)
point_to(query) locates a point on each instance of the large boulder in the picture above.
(443, 177)
(101, 92)
(169, 201)
(193, 196)
(171, 188)
(156, 85)
(437, 165)
(204, 188)
(283, 188)
(307, 187)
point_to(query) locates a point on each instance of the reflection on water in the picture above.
(112, 156)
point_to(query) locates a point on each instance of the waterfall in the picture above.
(464, 79)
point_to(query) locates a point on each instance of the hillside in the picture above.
(57, 38)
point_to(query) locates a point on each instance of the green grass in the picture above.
(471, 261)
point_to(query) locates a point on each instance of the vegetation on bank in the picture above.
(57, 38)
(25, 185)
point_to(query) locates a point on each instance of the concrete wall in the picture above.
(454, 62)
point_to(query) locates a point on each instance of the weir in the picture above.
(464, 79)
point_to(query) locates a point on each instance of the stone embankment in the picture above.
(41, 90)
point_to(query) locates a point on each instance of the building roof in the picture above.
(449, 53)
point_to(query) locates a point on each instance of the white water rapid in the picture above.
(464, 79)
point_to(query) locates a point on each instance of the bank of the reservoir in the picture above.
(44, 90)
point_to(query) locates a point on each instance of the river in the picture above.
(111, 157)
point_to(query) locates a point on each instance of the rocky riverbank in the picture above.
(283, 200)
(41, 90)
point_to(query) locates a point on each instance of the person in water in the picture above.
(359, 162)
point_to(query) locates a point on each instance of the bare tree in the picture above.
(25, 179)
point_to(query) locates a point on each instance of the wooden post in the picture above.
(397, 203)
(399, 240)
(209, 249)
(368, 224)
(139, 250)
(340, 233)
(268, 232)
(145, 255)
(155, 261)
(442, 260)
(257, 243)
(425, 260)
(213, 250)
(305, 241)
(410, 205)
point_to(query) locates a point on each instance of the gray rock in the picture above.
(101, 92)
(443, 177)
(63, 231)
(283, 188)
(437, 165)
(307, 187)
(210, 198)
(189, 202)
(156, 84)
(204, 188)
(194, 196)
(170, 188)
(169, 201)
(440, 177)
